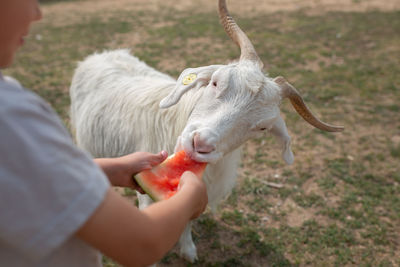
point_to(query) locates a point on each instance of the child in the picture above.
(57, 207)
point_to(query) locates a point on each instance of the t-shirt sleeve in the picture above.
(48, 187)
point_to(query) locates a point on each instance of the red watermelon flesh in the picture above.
(161, 182)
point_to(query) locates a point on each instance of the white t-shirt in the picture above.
(48, 187)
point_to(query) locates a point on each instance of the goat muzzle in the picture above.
(201, 145)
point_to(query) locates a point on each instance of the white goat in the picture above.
(212, 111)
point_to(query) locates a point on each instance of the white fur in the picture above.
(115, 111)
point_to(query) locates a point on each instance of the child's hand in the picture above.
(137, 162)
(140, 161)
(120, 171)
(197, 190)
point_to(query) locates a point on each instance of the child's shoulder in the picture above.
(12, 81)
(13, 95)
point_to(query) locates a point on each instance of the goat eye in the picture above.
(214, 84)
(263, 128)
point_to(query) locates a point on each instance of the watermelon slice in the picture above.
(161, 182)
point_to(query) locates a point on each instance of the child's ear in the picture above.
(189, 78)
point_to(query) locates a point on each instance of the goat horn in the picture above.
(288, 91)
(237, 35)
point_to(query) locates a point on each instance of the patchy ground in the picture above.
(264, 6)
(338, 205)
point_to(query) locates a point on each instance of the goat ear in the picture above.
(189, 78)
(280, 131)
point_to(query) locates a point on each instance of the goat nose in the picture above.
(201, 145)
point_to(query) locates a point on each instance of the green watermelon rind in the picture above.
(146, 189)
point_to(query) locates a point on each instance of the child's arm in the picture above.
(139, 238)
(120, 170)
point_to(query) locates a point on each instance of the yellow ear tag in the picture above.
(189, 79)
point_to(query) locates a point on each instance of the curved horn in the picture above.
(237, 35)
(297, 101)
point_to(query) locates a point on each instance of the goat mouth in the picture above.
(212, 157)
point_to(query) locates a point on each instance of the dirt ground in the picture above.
(245, 6)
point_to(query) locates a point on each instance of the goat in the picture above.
(210, 112)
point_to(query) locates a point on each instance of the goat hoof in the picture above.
(189, 253)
